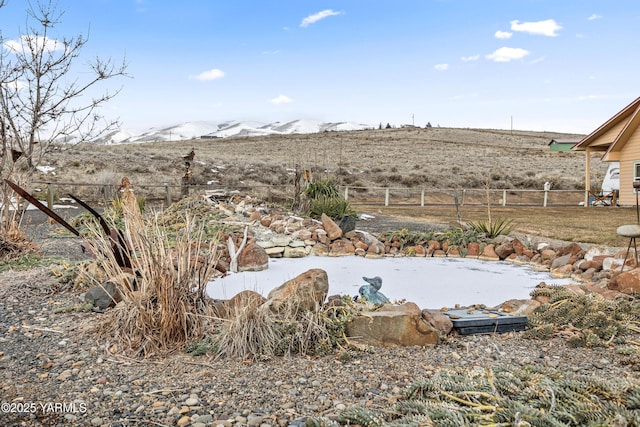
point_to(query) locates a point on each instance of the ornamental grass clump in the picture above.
(263, 332)
(164, 304)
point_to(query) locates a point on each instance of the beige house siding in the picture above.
(629, 155)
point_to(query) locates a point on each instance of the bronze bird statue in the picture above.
(189, 157)
(16, 154)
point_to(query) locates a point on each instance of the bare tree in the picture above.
(44, 98)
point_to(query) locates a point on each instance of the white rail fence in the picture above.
(55, 192)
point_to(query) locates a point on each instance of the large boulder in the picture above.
(253, 258)
(306, 291)
(440, 321)
(627, 282)
(489, 254)
(333, 230)
(243, 301)
(103, 296)
(392, 326)
(504, 249)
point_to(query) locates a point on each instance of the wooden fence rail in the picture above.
(54, 192)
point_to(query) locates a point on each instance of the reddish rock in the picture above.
(243, 301)
(518, 247)
(453, 252)
(376, 248)
(351, 234)
(265, 221)
(420, 250)
(489, 254)
(255, 216)
(324, 238)
(434, 245)
(361, 245)
(504, 249)
(520, 307)
(333, 230)
(436, 318)
(588, 274)
(547, 254)
(253, 258)
(563, 271)
(572, 248)
(341, 247)
(597, 261)
(306, 291)
(320, 249)
(627, 282)
(473, 249)
(305, 235)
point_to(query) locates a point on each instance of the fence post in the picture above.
(167, 190)
(386, 197)
(106, 192)
(346, 193)
(504, 197)
(49, 195)
(547, 187)
(422, 198)
(464, 191)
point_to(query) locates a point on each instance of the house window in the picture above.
(636, 174)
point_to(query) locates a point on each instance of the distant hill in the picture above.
(207, 129)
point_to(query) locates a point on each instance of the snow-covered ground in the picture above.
(429, 282)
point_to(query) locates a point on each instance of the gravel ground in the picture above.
(54, 371)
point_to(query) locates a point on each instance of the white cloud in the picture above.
(507, 54)
(594, 17)
(24, 42)
(470, 58)
(502, 34)
(590, 97)
(548, 28)
(270, 52)
(212, 74)
(441, 67)
(318, 16)
(281, 99)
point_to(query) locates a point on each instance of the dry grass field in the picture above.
(414, 159)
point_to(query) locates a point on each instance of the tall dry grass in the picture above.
(165, 306)
(261, 332)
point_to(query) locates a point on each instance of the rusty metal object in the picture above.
(35, 202)
(121, 250)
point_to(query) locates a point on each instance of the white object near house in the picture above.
(611, 181)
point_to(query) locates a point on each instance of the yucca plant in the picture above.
(492, 228)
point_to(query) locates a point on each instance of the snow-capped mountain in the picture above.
(205, 129)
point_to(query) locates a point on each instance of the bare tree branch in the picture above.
(44, 96)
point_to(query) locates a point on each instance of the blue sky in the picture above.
(556, 65)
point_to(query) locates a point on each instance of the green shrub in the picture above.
(333, 207)
(324, 197)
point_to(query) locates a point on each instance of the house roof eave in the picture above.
(623, 114)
